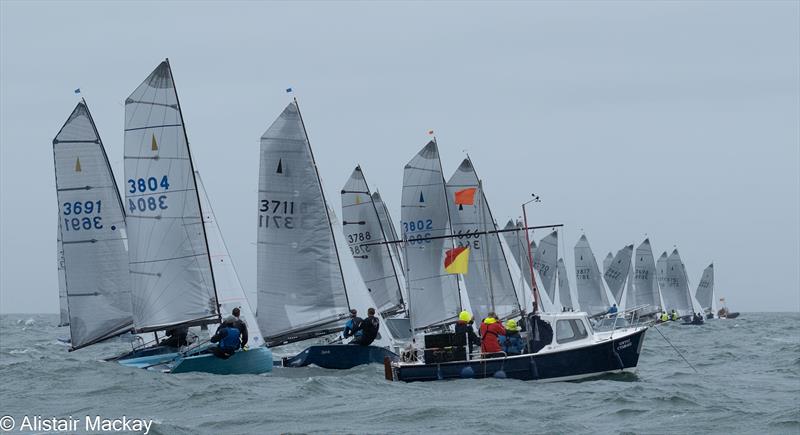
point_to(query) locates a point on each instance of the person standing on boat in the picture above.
(464, 325)
(512, 343)
(240, 325)
(351, 328)
(491, 330)
(368, 329)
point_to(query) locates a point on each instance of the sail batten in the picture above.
(300, 279)
(171, 273)
(96, 279)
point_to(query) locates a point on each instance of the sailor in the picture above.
(491, 330)
(464, 326)
(367, 329)
(664, 316)
(613, 309)
(352, 324)
(177, 336)
(674, 315)
(512, 343)
(228, 336)
(241, 326)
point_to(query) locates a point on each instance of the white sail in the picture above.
(617, 271)
(389, 230)
(300, 283)
(564, 294)
(172, 279)
(230, 292)
(434, 297)
(488, 282)
(365, 236)
(62, 280)
(92, 226)
(544, 261)
(676, 289)
(645, 285)
(588, 280)
(607, 262)
(517, 245)
(705, 289)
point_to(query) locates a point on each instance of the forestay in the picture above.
(92, 227)
(365, 236)
(591, 292)
(705, 289)
(617, 272)
(564, 294)
(434, 297)
(389, 230)
(171, 274)
(544, 261)
(676, 289)
(488, 281)
(230, 292)
(645, 290)
(300, 283)
(62, 280)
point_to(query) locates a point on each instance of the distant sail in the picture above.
(301, 287)
(489, 284)
(172, 280)
(62, 280)
(544, 261)
(390, 230)
(517, 245)
(92, 226)
(588, 280)
(607, 262)
(705, 289)
(645, 289)
(229, 288)
(564, 293)
(434, 297)
(661, 273)
(676, 291)
(617, 272)
(364, 233)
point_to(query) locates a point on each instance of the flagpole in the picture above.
(534, 289)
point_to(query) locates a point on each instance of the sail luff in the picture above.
(389, 231)
(564, 293)
(545, 260)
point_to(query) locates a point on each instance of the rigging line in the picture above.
(168, 259)
(152, 103)
(676, 349)
(153, 126)
(458, 236)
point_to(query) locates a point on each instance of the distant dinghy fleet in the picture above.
(154, 264)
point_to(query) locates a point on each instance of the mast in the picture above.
(325, 202)
(449, 218)
(534, 288)
(197, 194)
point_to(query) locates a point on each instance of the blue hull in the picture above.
(254, 361)
(606, 357)
(339, 356)
(146, 352)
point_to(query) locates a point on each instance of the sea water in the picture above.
(748, 381)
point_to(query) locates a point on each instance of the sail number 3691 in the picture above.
(82, 223)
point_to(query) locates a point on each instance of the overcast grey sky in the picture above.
(675, 119)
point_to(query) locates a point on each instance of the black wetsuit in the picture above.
(369, 331)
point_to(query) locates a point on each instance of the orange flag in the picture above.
(466, 196)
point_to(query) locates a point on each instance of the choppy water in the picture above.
(749, 382)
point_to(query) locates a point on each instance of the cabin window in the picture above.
(570, 330)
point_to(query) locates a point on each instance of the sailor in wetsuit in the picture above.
(231, 335)
(368, 329)
(351, 328)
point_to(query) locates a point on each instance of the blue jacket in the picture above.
(352, 327)
(511, 343)
(228, 338)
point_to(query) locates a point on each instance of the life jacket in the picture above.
(664, 317)
(511, 342)
(491, 330)
(231, 341)
(675, 316)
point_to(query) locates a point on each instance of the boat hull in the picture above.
(254, 361)
(610, 356)
(148, 361)
(339, 356)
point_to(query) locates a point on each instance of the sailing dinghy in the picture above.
(304, 292)
(645, 291)
(172, 278)
(705, 291)
(592, 296)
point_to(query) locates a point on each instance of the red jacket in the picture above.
(489, 334)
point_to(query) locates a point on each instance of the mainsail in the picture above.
(616, 272)
(518, 247)
(92, 228)
(564, 294)
(389, 230)
(301, 288)
(229, 288)
(434, 295)
(645, 290)
(488, 281)
(62, 280)
(676, 290)
(544, 261)
(591, 292)
(705, 289)
(171, 274)
(365, 235)
(607, 262)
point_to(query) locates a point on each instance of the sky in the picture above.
(679, 121)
